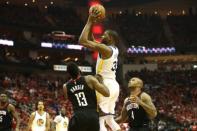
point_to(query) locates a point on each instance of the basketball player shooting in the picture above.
(106, 65)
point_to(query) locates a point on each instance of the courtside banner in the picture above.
(64, 68)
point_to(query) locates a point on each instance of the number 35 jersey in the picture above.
(107, 67)
(80, 95)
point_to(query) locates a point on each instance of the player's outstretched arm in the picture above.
(95, 84)
(85, 35)
(65, 91)
(123, 116)
(87, 41)
(15, 115)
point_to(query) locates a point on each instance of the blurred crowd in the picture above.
(25, 90)
(174, 92)
(136, 28)
(25, 24)
(31, 17)
(141, 29)
(174, 95)
(184, 29)
(26, 57)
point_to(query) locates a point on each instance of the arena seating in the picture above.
(140, 29)
(173, 95)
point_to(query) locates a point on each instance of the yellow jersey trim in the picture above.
(100, 66)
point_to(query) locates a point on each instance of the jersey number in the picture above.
(81, 99)
(115, 65)
(1, 118)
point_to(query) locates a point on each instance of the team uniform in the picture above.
(138, 118)
(107, 69)
(61, 123)
(5, 119)
(39, 122)
(84, 103)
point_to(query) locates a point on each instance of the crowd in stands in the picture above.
(140, 29)
(20, 23)
(160, 77)
(56, 18)
(26, 90)
(22, 16)
(67, 19)
(174, 94)
(184, 29)
(19, 57)
(137, 28)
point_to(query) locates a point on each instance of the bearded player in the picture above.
(106, 67)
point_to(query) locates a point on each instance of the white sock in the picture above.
(112, 123)
(102, 123)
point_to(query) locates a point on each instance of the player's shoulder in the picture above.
(66, 118)
(145, 96)
(10, 106)
(89, 78)
(33, 113)
(58, 116)
(113, 47)
(67, 83)
(114, 50)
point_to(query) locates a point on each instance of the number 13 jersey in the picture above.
(80, 95)
(107, 67)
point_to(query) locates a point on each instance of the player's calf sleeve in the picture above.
(112, 123)
(102, 123)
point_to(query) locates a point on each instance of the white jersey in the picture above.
(61, 123)
(107, 67)
(39, 122)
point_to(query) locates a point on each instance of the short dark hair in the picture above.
(73, 70)
(3, 91)
(114, 34)
(38, 102)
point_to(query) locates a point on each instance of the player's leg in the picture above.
(72, 125)
(103, 110)
(112, 123)
(76, 123)
(102, 123)
(93, 122)
(114, 87)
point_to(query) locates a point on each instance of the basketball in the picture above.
(100, 8)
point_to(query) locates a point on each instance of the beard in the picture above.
(40, 108)
(104, 41)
